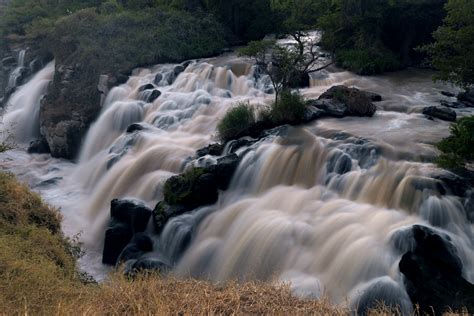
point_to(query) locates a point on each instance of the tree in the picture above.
(286, 64)
(451, 53)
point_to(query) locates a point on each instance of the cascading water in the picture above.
(22, 109)
(326, 206)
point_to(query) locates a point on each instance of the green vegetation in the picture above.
(246, 120)
(238, 122)
(370, 37)
(451, 53)
(458, 148)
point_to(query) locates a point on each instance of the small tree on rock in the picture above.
(286, 65)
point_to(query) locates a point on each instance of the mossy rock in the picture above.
(193, 188)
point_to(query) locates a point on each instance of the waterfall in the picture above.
(21, 117)
(325, 206)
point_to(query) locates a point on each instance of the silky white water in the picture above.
(323, 206)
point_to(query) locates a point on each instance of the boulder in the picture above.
(155, 93)
(128, 217)
(39, 146)
(330, 107)
(175, 73)
(433, 274)
(444, 114)
(131, 212)
(312, 113)
(339, 101)
(454, 105)
(163, 212)
(192, 189)
(223, 170)
(146, 264)
(467, 97)
(158, 79)
(138, 246)
(147, 86)
(214, 149)
(117, 236)
(134, 128)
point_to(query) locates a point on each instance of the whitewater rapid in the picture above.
(325, 206)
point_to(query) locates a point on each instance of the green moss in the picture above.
(180, 189)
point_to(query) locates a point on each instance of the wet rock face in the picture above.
(467, 97)
(128, 218)
(441, 113)
(433, 274)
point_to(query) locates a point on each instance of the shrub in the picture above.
(368, 61)
(238, 121)
(290, 108)
(458, 148)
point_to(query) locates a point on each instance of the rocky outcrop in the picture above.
(341, 101)
(194, 188)
(433, 274)
(441, 113)
(72, 104)
(128, 218)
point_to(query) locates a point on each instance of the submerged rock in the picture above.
(128, 217)
(445, 114)
(433, 274)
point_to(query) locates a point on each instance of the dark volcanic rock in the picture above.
(433, 274)
(132, 212)
(445, 114)
(39, 146)
(117, 236)
(147, 86)
(224, 169)
(340, 101)
(138, 246)
(448, 94)
(215, 149)
(193, 188)
(128, 217)
(135, 127)
(153, 96)
(146, 264)
(163, 212)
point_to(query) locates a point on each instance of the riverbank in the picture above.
(38, 275)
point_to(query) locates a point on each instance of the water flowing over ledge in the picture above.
(327, 206)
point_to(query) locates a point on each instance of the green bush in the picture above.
(289, 108)
(238, 121)
(458, 148)
(367, 61)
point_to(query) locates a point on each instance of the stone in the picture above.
(131, 212)
(39, 146)
(214, 149)
(138, 246)
(117, 236)
(448, 94)
(433, 274)
(467, 97)
(444, 114)
(147, 86)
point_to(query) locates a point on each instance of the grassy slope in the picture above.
(37, 275)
